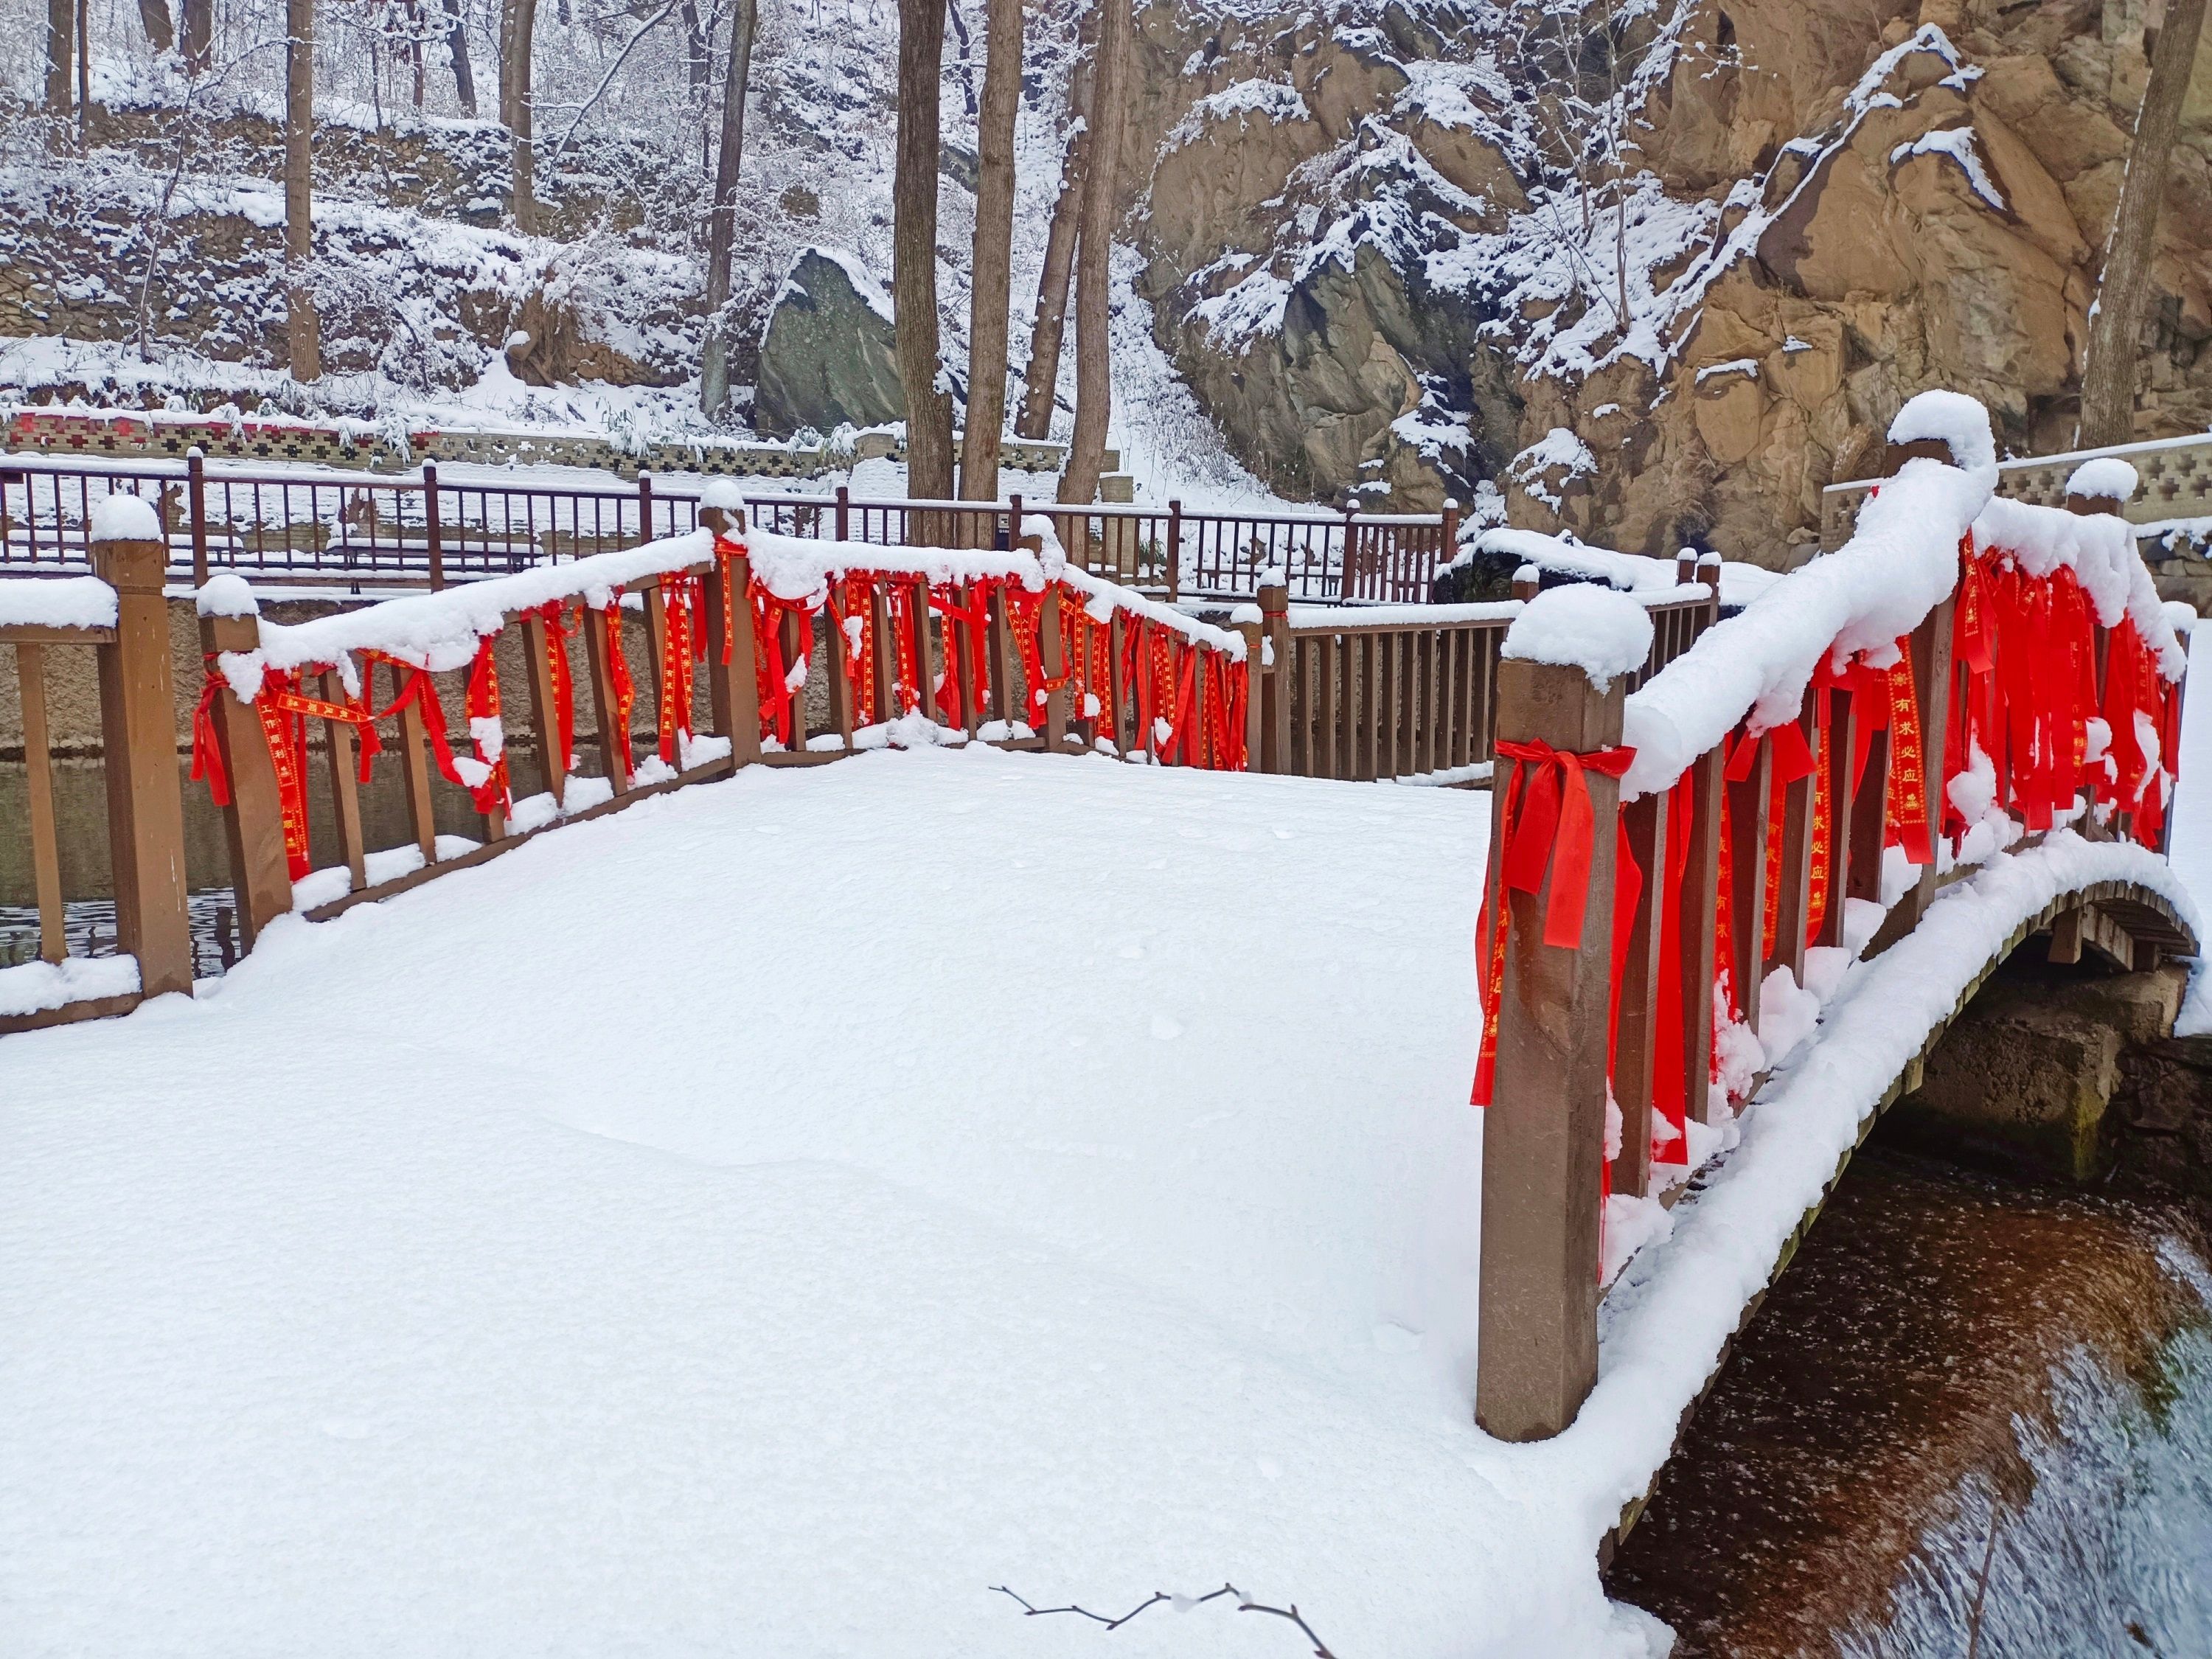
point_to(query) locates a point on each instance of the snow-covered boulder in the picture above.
(828, 357)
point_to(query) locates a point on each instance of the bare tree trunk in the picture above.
(991, 265)
(457, 44)
(2108, 376)
(518, 26)
(61, 50)
(913, 250)
(695, 46)
(83, 68)
(154, 18)
(1094, 368)
(414, 47)
(197, 43)
(1049, 325)
(722, 219)
(306, 349)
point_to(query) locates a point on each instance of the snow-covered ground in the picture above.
(764, 1220)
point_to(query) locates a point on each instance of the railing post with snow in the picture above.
(254, 823)
(1544, 1130)
(138, 734)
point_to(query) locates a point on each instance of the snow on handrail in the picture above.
(1901, 562)
(56, 602)
(439, 631)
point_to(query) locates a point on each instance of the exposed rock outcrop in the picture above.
(1377, 277)
(829, 354)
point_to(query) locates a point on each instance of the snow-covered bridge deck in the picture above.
(764, 1220)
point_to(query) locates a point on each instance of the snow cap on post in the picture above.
(2106, 479)
(1582, 625)
(120, 517)
(1958, 422)
(228, 595)
(723, 493)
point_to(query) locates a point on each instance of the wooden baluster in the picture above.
(836, 654)
(1636, 1045)
(1006, 699)
(145, 801)
(1841, 735)
(615, 757)
(345, 788)
(1052, 658)
(925, 670)
(544, 710)
(38, 776)
(1275, 686)
(415, 774)
(798, 647)
(1748, 814)
(1120, 711)
(1799, 801)
(1372, 756)
(1700, 921)
(1329, 720)
(884, 662)
(1543, 1134)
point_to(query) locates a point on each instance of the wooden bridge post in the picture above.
(254, 823)
(145, 802)
(1543, 1138)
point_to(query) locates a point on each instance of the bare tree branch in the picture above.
(1244, 1604)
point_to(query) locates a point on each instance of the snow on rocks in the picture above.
(56, 602)
(2104, 478)
(119, 516)
(1582, 626)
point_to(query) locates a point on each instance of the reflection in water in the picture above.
(1945, 1348)
(2111, 1552)
(87, 883)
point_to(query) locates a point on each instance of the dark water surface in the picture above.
(1974, 1417)
(87, 883)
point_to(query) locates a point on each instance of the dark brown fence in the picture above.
(295, 526)
(1365, 693)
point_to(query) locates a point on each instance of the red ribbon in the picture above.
(1548, 824)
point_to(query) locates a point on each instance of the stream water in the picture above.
(1974, 1418)
(88, 883)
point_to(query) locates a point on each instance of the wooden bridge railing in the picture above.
(293, 526)
(1009, 647)
(118, 613)
(1739, 806)
(1410, 691)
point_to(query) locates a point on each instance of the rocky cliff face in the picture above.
(1374, 249)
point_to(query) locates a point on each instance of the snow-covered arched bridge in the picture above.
(773, 1216)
